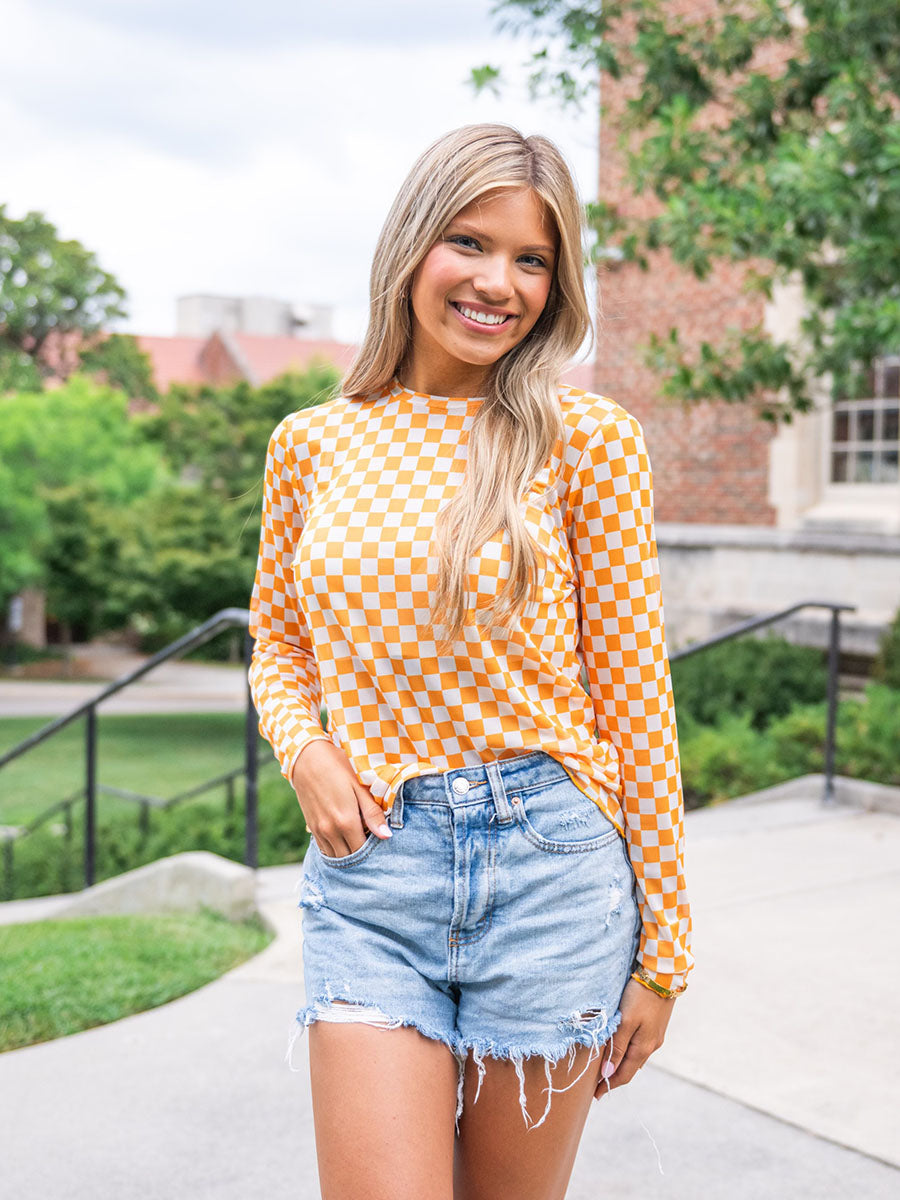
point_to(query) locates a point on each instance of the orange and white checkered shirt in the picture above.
(340, 612)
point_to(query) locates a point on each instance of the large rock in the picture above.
(181, 883)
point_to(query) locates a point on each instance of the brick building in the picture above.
(750, 518)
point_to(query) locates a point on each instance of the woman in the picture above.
(494, 887)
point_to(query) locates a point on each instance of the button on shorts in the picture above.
(500, 918)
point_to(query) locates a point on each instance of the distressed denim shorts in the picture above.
(500, 918)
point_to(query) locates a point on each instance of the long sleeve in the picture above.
(284, 678)
(624, 652)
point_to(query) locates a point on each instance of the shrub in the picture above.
(761, 677)
(725, 760)
(886, 667)
(46, 864)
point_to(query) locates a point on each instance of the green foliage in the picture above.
(46, 286)
(121, 363)
(793, 169)
(732, 758)
(149, 521)
(70, 462)
(46, 863)
(762, 678)
(59, 977)
(729, 759)
(886, 667)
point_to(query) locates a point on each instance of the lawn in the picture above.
(58, 977)
(158, 754)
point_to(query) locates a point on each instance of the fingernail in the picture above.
(608, 1068)
(384, 831)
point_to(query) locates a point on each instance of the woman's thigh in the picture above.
(497, 1156)
(383, 1104)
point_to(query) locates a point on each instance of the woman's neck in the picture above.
(461, 380)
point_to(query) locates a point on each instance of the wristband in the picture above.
(642, 975)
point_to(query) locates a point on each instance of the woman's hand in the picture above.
(338, 810)
(645, 1016)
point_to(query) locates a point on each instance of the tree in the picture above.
(71, 461)
(118, 360)
(47, 286)
(766, 131)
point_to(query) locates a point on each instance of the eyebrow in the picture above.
(463, 227)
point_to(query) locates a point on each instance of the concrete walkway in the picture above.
(175, 686)
(788, 1035)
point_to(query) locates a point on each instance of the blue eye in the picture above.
(533, 260)
(461, 238)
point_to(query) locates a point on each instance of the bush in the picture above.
(732, 758)
(763, 678)
(725, 760)
(886, 667)
(45, 863)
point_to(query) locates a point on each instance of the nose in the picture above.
(493, 279)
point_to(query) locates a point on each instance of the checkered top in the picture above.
(340, 610)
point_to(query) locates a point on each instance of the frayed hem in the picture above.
(595, 1033)
(596, 1039)
(366, 1013)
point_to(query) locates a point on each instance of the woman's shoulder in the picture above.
(591, 418)
(310, 421)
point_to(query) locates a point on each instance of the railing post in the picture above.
(90, 794)
(251, 767)
(834, 650)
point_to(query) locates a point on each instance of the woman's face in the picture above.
(479, 291)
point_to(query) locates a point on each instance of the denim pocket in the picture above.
(348, 860)
(558, 817)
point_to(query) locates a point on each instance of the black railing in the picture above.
(225, 619)
(231, 617)
(834, 653)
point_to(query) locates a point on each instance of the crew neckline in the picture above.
(426, 402)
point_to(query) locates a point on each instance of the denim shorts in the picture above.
(500, 918)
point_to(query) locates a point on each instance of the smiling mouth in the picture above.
(489, 320)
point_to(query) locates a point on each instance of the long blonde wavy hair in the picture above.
(520, 420)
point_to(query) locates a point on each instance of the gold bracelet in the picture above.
(642, 975)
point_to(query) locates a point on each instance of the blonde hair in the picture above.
(520, 420)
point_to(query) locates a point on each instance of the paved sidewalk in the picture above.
(175, 686)
(790, 1010)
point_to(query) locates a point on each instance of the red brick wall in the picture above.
(710, 461)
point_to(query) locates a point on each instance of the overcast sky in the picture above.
(237, 148)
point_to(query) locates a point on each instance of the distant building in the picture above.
(201, 315)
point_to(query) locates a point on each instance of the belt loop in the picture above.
(498, 791)
(396, 813)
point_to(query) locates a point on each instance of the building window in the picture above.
(865, 434)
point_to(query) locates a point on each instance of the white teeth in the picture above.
(481, 317)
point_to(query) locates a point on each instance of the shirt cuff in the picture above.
(288, 769)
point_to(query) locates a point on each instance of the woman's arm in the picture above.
(623, 642)
(284, 678)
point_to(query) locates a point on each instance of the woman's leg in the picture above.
(384, 1105)
(497, 1157)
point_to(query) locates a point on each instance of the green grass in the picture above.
(58, 977)
(159, 754)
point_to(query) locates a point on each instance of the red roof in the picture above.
(174, 359)
(269, 357)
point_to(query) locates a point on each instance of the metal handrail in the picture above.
(231, 617)
(834, 643)
(224, 619)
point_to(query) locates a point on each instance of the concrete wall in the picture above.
(713, 576)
